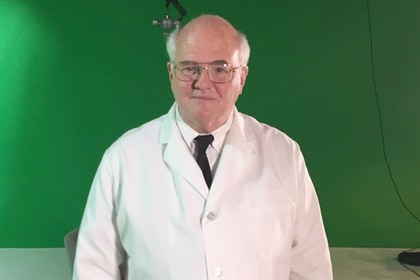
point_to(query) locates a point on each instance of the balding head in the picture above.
(209, 26)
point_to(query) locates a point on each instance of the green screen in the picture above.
(75, 75)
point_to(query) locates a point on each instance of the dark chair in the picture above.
(70, 242)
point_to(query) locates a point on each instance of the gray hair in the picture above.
(244, 49)
(171, 44)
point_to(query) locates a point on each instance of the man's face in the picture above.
(203, 104)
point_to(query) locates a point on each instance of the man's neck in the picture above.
(205, 126)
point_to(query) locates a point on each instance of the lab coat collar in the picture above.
(236, 152)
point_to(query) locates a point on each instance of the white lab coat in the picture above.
(149, 204)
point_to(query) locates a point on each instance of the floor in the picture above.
(348, 264)
(34, 264)
(370, 263)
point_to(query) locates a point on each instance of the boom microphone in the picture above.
(167, 22)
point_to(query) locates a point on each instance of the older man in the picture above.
(203, 192)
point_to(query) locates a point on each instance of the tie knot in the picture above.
(203, 141)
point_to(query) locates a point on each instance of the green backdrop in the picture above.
(75, 75)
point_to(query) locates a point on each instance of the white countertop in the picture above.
(348, 264)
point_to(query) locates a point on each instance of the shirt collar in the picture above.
(189, 134)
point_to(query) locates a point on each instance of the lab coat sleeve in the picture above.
(310, 251)
(99, 251)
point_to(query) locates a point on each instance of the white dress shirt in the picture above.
(215, 149)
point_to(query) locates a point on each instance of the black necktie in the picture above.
(203, 141)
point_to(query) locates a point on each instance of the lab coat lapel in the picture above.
(237, 155)
(178, 157)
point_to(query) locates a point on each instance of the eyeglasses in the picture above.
(219, 72)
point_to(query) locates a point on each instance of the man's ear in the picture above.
(170, 72)
(244, 74)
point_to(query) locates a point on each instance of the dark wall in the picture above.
(75, 75)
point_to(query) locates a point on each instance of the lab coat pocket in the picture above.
(273, 229)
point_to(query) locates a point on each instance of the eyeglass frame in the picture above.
(232, 69)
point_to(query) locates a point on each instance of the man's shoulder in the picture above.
(146, 132)
(147, 128)
(261, 129)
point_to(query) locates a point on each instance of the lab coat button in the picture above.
(217, 271)
(211, 216)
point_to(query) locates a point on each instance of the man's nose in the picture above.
(203, 79)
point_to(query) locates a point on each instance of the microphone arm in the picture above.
(182, 12)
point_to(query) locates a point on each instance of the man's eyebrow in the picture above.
(219, 62)
(188, 62)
